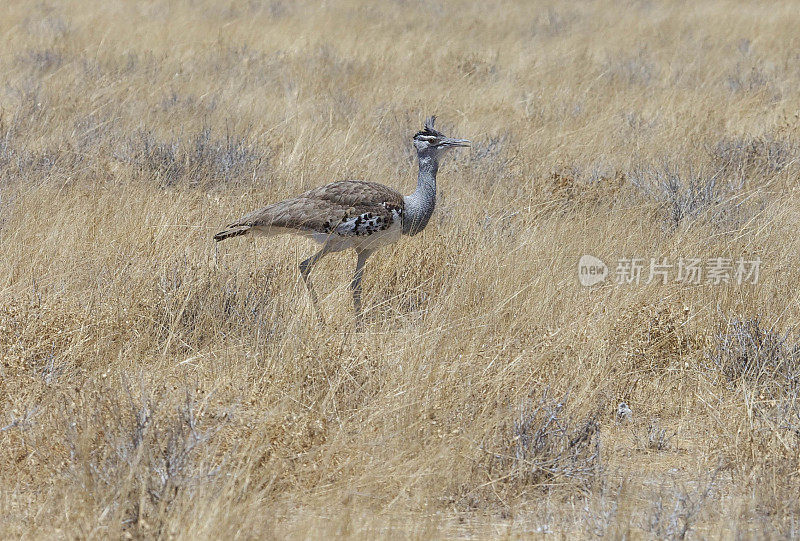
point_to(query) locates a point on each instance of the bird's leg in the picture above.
(305, 272)
(355, 285)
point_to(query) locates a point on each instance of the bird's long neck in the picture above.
(420, 204)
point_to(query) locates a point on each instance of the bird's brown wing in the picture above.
(323, 209)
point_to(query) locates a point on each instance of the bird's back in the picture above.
(353, 207)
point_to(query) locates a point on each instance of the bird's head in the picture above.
(429, 140)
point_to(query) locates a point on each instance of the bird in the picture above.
(624, 413)
(354, 214)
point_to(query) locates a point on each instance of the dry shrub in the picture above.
(747, 350)
(199, 159)
(139, 455)
(760, 446)
(677, 509)
(751, 158)
(544, 446)
(133, 453)
(759, 364)
(690, 196)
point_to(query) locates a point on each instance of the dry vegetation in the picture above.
(153, 384)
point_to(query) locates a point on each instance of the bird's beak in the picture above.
(454, 143)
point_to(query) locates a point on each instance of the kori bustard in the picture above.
(354, 213)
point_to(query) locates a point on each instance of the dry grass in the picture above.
(156, 385)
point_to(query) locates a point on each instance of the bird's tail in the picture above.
(232, 232)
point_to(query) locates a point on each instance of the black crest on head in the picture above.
(429, 129)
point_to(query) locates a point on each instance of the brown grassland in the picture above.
(154, 384)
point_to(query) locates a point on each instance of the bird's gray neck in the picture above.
(420, 204)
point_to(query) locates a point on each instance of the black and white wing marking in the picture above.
(370, 222)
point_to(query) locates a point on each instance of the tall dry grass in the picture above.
(153, 384)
